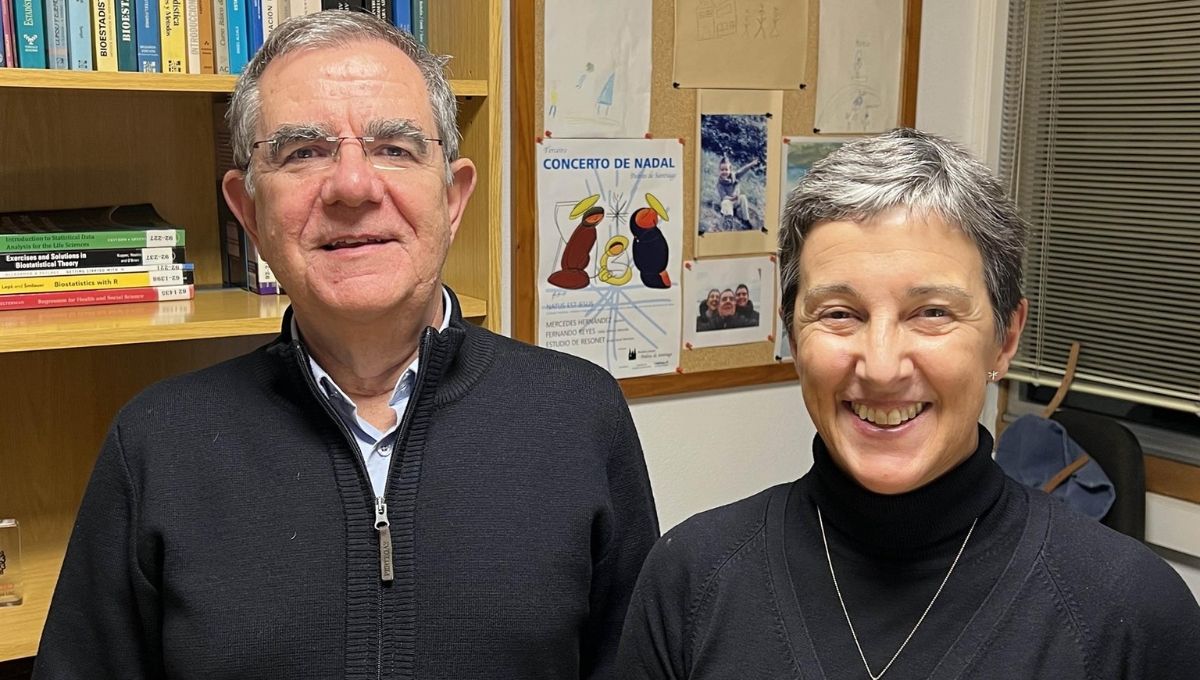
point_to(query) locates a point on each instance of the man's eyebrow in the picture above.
(395, 127)
(947, 291)
(829, 290)
(289, 131)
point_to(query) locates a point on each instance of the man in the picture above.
(745, 307)
(383, 491)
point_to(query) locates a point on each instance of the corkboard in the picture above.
(673, 114)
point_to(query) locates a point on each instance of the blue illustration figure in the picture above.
(606, 94)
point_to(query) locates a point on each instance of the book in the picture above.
(79, 29)
(270, 16)
(7, 35)
(239, 43)
(259, 277)
(299, 8)
(127, 226)
(72, 260)
(102, 34)
(420, 21)
(52, 284)
(191, 25)
(57, 37)
(402, 14)
(220, 34)
(207, 62)
(96, 297)
(380, 8)
(30, 24)
(172, 36)
(100, 271)
(149, 41)
(125, 36)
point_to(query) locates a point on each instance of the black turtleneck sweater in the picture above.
(1039, 592)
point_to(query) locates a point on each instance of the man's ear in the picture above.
(462, 185)
(233, 185)
(1012, 338)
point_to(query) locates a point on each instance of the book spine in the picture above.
(79, 28)
(173, 36)
(402, 14)
(149, 45)
(6, 30)
(235, 11)
(254, 27)
(207, 63)
(126, 36)
(96, 297)
(259, 277)
(92, 240)
(99, 271)
(270, 14)
(75, 260)
(380, 8)
(220, 37)
(31, 33)
(420, 21)
(102, 35)
(56, 33)
(51, 284)
(191, 24)
(4, 41)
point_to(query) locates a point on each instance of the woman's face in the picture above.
(713, 297)
(893, 340)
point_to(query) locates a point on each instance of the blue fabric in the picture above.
(1032, 449)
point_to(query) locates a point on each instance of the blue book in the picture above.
(149, 42)
(125, 39)
(254, 27)
(79, 28)
(402, 14)
(56, 34)
(31, 33)
(239, 44)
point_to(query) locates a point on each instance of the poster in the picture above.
(738, 150)
(596, 65)
(799, 154)
(728, 301)
(610, 242)
(759, 45)
(858, 68)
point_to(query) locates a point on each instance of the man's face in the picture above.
(742, 296)
(353, 241)
(726, 306)
(893, 339)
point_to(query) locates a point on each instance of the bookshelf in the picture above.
(75, 139)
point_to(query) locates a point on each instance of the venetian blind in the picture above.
(1101, 148)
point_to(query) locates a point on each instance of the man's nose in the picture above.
(352, 180)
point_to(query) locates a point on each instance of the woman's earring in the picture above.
(993, 375)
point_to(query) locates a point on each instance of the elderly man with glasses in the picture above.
(384, 490)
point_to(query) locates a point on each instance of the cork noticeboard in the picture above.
(673, 114)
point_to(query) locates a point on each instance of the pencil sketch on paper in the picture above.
(740, 44)
(717, 19)
(597, 68)
(858, 71)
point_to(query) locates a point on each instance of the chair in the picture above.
(1119, 454)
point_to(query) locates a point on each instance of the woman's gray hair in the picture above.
(927, 175)
(337, 28)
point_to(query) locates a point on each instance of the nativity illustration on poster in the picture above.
(610, 251)
(596, 67)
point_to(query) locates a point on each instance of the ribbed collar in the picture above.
(911, 523)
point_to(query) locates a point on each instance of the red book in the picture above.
(82, 298)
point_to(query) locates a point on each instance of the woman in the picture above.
(905, 550)
(708, 310)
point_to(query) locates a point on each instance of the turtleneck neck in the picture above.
(910, 523)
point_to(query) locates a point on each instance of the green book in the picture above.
(127, 56)
(125, 226)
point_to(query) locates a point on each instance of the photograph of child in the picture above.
(733, 171)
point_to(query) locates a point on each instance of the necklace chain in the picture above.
(921, 620)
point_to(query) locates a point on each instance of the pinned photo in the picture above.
(732, 299)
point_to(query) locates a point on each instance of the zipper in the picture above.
(385, 540)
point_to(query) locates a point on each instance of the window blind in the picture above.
(1100, 145)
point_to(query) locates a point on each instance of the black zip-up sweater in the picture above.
(229, 528)
(744, 591)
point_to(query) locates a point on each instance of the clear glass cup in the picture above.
(11, 590)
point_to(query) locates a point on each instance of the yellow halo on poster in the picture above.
(657, 206)
(582, 206)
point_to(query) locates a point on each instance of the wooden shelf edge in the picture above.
(680, 383)
(213, 314)
(158, 82)
(1171, 478)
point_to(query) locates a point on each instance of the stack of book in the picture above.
(165, 36)
(91, 256)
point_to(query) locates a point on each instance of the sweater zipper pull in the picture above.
(385, 540)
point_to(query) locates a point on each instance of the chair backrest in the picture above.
(1119, 454)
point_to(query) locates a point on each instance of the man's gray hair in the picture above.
(926, 174)
(337, 28)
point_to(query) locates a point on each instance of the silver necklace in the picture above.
(921, 620)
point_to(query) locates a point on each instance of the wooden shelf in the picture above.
(213, 314)
(22, 624)
(158, 82)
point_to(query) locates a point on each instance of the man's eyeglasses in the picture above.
(305, 155)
